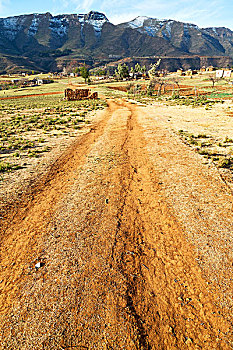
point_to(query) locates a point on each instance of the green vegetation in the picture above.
(224, 162)
(84, 73)
(201, 101)
(122, 71)
(6, 167)
(210, 148)
(220, 95)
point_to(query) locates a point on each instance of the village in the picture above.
(181, 79)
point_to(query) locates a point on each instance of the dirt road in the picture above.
(120, 267)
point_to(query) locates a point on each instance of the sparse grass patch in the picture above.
(224, 162)
(6, 167)
(201, 101)
(27, 123)
(210, 149)
(228, 140)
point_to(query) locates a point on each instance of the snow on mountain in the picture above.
(96, 19)
(194, 26)
(219, 31)
(138, 22)
(34, 25)
(184, 36)
(150, 26)
(58, 25)
(214, 30)
(11, 26)
(167, 32)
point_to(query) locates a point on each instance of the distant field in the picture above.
(32, 126)
(58, 85)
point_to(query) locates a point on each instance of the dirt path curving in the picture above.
(118, 270)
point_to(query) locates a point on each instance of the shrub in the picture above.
(4, 167)
(225, 162)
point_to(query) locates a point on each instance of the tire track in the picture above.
(28, 216)
(119, 273)
(133, 235)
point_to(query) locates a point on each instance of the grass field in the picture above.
(27, 126)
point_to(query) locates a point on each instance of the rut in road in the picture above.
(118, 272)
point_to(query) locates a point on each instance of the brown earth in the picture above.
(120, 268)
(184, 90)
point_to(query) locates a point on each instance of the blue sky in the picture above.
(201, 12)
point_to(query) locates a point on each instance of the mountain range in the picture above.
(45, 42)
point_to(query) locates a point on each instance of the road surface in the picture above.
(118, 268)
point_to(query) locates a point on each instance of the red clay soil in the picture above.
(184, 90)
(118, 88)
(117, 271)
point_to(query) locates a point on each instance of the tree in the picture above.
(137, 68)
(153, 71)
(122, 71)
(159, 82)
(176, 80)
(144, 69)
(138, 89)
(213, 79)
(151, 87)
(130, 88)
(76, 70)
(84, 73)
(99, 72)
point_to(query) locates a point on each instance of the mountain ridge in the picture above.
(47, 42)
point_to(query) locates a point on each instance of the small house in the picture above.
(39, 82)
(227, 74)
(180, 71)
(189, 72)
(219, 73)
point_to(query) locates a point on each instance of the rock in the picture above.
(38, 265)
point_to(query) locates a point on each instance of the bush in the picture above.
(225, 163)
(4, 167)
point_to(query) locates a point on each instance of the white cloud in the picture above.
(202, 13)
(85, 6)
(3, 6)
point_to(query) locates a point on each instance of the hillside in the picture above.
(44, 42)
